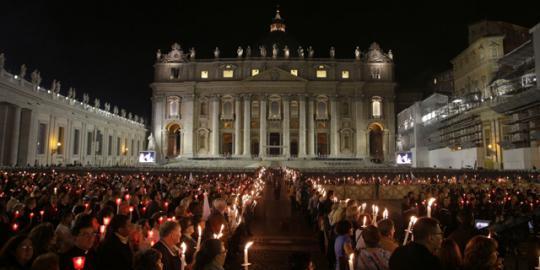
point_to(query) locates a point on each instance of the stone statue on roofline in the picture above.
(311, 52)
(274, 51)
(22, 72)
(107, 106)
(286, 52)
(123, 113)
(130, 116)
(86, 98)
(248, 51)
(390, 55)
(158, 55)
(192, 53)
(115, 110)
(262, 50)
(332, 52)
(71, 93)
(151, 142)
(34, 77)
(240, 52)
(300, 52)
(97, 103)
(357, 53)
(57, 87)
(216, 53)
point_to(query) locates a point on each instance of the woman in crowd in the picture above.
(373, 257)
(211, 256)
(343, 244)
(450, 255)
(17, 253)
(481, 254)
(43, 239)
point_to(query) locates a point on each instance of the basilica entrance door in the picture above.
(322, 144)
(376, 142)
(275, 144)
(174, 139)
(227, 144)
(255, 148)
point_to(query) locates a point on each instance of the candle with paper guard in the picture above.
(106, 221)
(78, 262)
(408, 231)
(199, 230)
(385, 213)
(183, 248)
(430, 203)
(351, 261)
(246, 248)
(118, 201)
(364, 222)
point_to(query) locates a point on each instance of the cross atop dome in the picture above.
(277, 22)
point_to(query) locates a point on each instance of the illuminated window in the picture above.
(228, 73)
(173, 106)
(344, 74)
(294, 72)
(204, 74)
(376, 107)
(321, 73)
(255, 72)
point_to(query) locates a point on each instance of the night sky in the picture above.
(107, 48)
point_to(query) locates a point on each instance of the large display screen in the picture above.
(404, 158)
(147, 156)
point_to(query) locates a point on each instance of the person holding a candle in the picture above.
(64, 239)
(115, 245)
(83, 239)
(211, 256)
(481, 254)
(421, 253)
(187, 231)
(343, 244)
(169, 238)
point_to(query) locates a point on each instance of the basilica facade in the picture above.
(274, 102)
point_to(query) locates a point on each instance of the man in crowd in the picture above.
(169, 234)
(83, 239)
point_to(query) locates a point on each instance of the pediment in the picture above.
(275, 74)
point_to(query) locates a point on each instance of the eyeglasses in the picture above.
(88, 234)
(27, 247)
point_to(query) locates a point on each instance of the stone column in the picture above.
(187, 106)
(247, 126)
(262, 128)
(386, 144)
(32, 138)
(334, 140)
(360, 129)
(214, 150)
(311, 127)
(16, 132)
(286, 128)
(302, 127)
(237, 123)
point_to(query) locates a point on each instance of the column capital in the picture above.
(286, 97)
(246, 96)
(215, 97)
(188, 97)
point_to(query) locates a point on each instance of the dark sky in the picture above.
(107, 48)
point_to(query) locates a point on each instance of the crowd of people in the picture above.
(65, 220)
(472, 222)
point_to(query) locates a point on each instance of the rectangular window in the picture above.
(175, 73)
(228, 73)
(110, 146)
(138, 146)
(99, 143)
(118, 146)
(126, 147)
(60, 143)
(89, 143)
(255, 72)
(42, 138)
(294, 72)
(344, 74)
(321, 73)
(76, 141)
(204, 74)
(132, 147)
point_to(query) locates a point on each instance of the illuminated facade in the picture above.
(495, 126)
(41, 126)
(274, 103)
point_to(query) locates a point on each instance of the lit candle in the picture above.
(31, 216)
(102, 229)
(183, 248)
(408, 231)
(118, 201)
(430, 203)
(199, 230)
(130, 212)
(364, 223)
(106, 221)
(127, 197)
(248, 245)
(166, 206)
(364, 205)
(351, 261)
(78, 263)
(385, 213)
(375, 213)
(42, 213)
(15, 227)
(55, 190)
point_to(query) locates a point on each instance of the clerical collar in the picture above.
(174, 251)
(123, 239)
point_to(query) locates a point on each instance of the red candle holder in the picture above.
(78, 262)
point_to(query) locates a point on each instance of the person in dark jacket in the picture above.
(421, 253)
(466, 230)
(16, 254)
(83, 240)
(114, 252)
(169, 238)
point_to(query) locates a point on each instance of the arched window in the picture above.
(227, 108)
(376, 107)
(173, 106)
(321, 109)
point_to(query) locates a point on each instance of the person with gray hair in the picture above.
(169, 238)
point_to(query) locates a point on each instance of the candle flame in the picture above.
(183, 247)
(431, 201)
(385, 213)
(248, 245)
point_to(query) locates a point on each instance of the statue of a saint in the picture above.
(192, 53)
(58, 87)
(311, 52)
(262, 50)
(216, 53)
(274, 51)
(151, 142)
(390, 55)
(240, 52)
(332, 52)
(22, 72)
(357, 53)
(286, 52)
(158, 55)
(300, 52)
(34, 76)
(248, 51)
